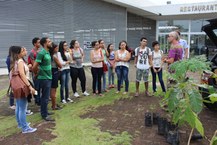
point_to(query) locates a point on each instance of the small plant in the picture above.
(183, 99)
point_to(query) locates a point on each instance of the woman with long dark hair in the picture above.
(64, 58)
(18, 64)
(76, 68)
(96, 59)
(56, 65)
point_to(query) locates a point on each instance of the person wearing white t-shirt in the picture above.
(156, 69)
(142, 62)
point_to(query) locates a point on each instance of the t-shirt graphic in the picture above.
(143, 54)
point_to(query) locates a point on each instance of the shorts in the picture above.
(55, 77)
(142, 73)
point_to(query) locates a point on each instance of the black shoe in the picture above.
(48, 118)
(50, 113)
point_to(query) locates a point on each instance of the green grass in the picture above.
(73, 130)
(3, 93)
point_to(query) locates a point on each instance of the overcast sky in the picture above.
(162, 2)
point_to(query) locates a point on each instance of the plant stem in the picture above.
(189, 139)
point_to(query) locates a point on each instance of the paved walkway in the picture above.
(3, 71)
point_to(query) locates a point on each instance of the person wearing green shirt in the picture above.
(42, 67)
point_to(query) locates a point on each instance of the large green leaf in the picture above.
(173, 99)
(196, 101)
(177, 115)
(213, 98)
(192, 119)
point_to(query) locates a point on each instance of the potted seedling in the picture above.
(183, 98)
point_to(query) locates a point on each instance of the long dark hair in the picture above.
(127, 47)
(61, 50)
(108, 48)
(72, 44)
(15, 51)
(51, 50)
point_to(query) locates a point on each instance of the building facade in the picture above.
(89, 20)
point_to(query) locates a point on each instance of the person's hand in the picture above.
(159, 69)
(155, 70)
(135, 65)
(32, 90)
(67, 62)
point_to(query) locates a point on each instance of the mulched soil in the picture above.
(128, 115)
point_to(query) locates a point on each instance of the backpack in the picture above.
(34, 55)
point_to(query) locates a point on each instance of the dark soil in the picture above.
(128, 115)
(42, 134)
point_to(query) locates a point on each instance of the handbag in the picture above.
(19, 88)
(104, 67)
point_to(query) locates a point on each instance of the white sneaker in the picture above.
(29, 112)
(76, 94)
(69, 100)
(29, 130)
(63, 101)
(86, 94)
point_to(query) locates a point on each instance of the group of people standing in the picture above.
(52, 63)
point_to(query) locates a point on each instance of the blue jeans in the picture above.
(160, 77)
(36, 86)
(45, 86)
(110, 76)
(21, 112)
(122, 73)
(64, 84)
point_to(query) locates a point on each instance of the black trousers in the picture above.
(97, 75)
(78, 73)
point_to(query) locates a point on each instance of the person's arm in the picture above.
(128, 57)
(136, 57)
(116, 56)
(23, 76)
(150, 58)
(169, 61)
(92, 58)
(56, 60)
(186, 53)
(35, 68)
(82, 54)
(63, 63)
(37, 62)
(106, 53)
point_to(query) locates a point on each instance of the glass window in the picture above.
(197, 45)
(197, 24)
(170, 25)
